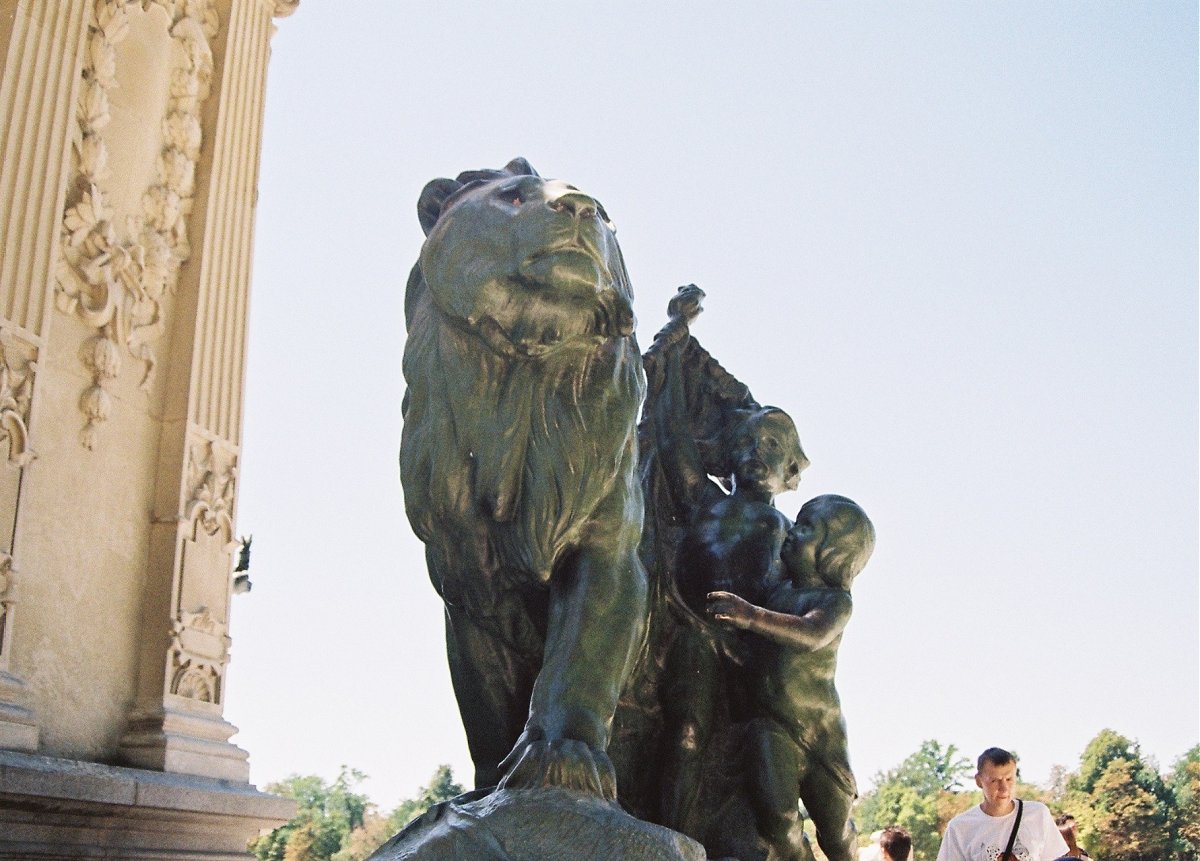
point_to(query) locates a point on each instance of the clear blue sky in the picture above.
(956, 241)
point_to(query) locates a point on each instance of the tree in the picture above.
(326, 814)
(1123, 807)
(1056, 788)
(376, 829)
(919, 794)
(441, 787)
(892, 803)
(934, 768)
(1185, 791)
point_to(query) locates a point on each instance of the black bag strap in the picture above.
(1012, 838)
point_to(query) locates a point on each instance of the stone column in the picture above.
(41, 51)
(176, 722)
(128, 174)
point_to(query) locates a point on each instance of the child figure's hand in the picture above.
(685, 304)
(730, 610)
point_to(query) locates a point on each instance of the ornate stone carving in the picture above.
(8, 597)
(199, 647)
(212, 478)
(124, 234)
(283, 8)
(199, 652)
(17, 371)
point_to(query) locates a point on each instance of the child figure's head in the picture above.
(829, 544)
(764, 451)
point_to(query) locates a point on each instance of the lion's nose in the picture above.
(564, 198)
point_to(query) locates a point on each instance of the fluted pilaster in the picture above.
(38, 93)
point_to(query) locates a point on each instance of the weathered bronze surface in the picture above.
(518, 461)
(524, 474)
(733, 699)
(543, 825)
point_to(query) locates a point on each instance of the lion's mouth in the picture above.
(572, 248)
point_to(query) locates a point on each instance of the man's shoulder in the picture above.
(1036, 807)
(970, 814)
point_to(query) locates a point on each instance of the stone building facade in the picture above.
(129, 154)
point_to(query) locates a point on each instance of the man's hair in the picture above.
(1064, 819)
(997, 756)
(896, 843)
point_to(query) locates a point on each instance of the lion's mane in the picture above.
(505, 457)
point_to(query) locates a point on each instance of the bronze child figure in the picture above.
(798, 735)
(731, 540)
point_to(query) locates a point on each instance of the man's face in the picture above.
(997, 783)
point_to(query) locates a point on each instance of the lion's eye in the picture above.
(514, 196)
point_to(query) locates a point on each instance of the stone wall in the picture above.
(128, 174)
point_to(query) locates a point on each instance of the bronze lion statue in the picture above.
(518, 461)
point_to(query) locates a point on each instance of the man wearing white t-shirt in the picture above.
(982, 833)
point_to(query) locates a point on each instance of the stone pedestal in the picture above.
(534, 825)
(58, 809)
(128, 174)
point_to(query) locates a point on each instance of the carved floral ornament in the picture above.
(212, 477)
(114, 272)
(199, 652)
(8, 597)
(17, 373)
(8, 580)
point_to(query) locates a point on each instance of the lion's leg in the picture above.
(596, 617)
(492, 685)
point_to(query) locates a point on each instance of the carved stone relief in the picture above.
(200, 645)
(124, 231)
(212, 479)
(17, 370)
(199, 652)
(18, 367)
(8, 598)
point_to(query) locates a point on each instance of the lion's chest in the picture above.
(518, 454)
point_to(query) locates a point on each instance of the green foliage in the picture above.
(442, 787)
(1185, 792)
(1100, 751)
(1124, 809)
(335, 823)
(916, 794)
(892, 803)
(326, 814)
(1129, 821)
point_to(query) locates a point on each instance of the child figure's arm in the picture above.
(686, 479)
(824, 615)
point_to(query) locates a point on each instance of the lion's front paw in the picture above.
(564, 763)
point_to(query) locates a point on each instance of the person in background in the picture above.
(895, 844)
(983, 832)
(1069, 832)
(871, 852)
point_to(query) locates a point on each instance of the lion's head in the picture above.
(528, 264)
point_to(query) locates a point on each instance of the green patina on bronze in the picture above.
(518, 461)
(524, 474)
(732, 716)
